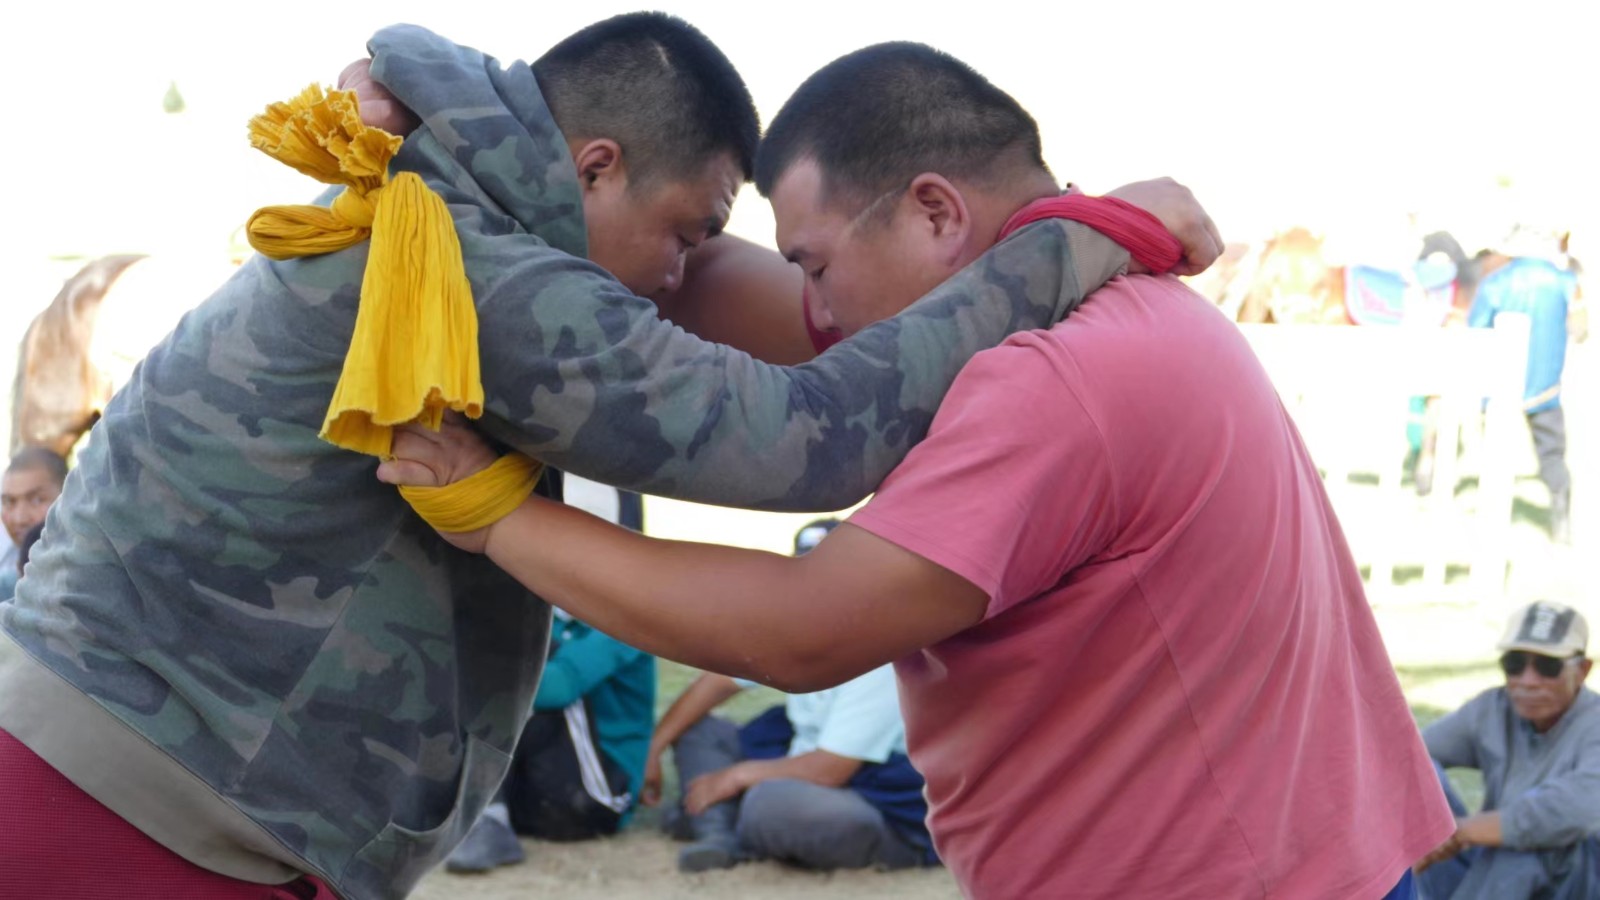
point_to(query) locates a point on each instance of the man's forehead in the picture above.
(804, 222)
(709, 199)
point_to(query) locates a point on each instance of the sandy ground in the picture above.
(643, 863)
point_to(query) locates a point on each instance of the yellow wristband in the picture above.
(478, 500)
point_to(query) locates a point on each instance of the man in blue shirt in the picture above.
(1539, 283)
(31, 483)
(821, 781)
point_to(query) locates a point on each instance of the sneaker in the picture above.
(703, 856)
(675, 822)
(490, 844)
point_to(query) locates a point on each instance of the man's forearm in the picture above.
(703, 695)
(773, 619)
(1481, 830)
(654, 595)
(818, 767)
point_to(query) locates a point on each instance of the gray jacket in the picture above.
(1546, 788)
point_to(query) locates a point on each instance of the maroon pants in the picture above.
(58, 842)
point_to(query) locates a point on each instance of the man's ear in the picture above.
(597, 160)
(937, 202)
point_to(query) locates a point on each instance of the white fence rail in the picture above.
(1349, 390)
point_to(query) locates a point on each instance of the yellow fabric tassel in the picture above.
(414, 351)
(478, 500)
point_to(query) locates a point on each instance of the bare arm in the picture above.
(695, 703)
(773, 619)
(1481, 830)
(817, 766)
(744, 295)
(703, 695)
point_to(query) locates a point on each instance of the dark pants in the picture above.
(1549, 427)
(545, 790)
(1404, 889)
(795, 821)
(57, 841)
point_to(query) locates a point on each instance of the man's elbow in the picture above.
(799, 671)
(839, 774)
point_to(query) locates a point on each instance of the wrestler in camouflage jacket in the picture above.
(239, 640)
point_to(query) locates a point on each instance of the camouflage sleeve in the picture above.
(585, 376)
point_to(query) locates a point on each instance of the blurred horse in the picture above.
(1285, 279)
(84, 345)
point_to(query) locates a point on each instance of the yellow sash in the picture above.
(414, 351)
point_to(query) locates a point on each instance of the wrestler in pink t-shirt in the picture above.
(1134, 653)
(1178, 687)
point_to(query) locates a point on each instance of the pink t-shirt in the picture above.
(1178, 689)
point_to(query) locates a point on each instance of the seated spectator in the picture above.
(31, 483)
(1537, 743)
(821, 781)
(578, 768)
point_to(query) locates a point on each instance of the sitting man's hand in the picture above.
(714, 787)
(1444, 851)
(1182, 215)
(379, 108)
(650, 789)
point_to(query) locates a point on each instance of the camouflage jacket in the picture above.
(239, 640)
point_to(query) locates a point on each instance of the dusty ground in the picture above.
(641, 863)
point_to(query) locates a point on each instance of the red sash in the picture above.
(1145, 238)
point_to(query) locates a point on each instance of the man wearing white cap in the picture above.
(1537, 743)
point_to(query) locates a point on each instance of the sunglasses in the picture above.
(1547, 666)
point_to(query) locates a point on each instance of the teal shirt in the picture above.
(620, 684)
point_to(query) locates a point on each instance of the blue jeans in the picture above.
(1406, 889)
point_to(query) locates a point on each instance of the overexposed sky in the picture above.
(1336, 115)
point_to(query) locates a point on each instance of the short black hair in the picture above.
(40, 458)
(876, 118)
(659, 88)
